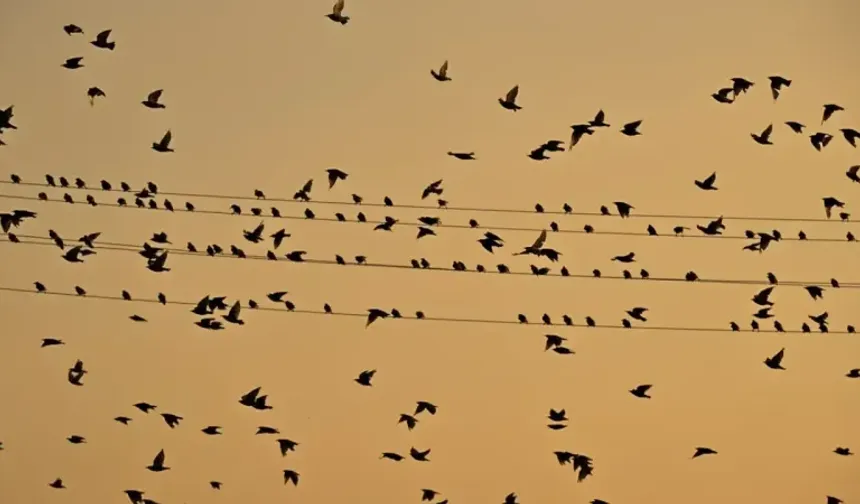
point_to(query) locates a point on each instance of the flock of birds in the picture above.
(208, 308)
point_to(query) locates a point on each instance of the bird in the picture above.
(72, 29)
(463, 156)
(641, 391)
(291, 476)
(365, 377)
(776, 85)
(163, 145)
(843, 451)
(829, 110)
(724, 95)
(102, 42)
(93, 93)
(775, 362)
(632, 128)
(701, 450)
(337, 13)
(152, 98)
(73, 63)
(158, 463)
(851, 135)
(442, 74)
(509, 102)
(334, 175)
(420, 456)
(708, 183)
(764, 137)
(422, 406)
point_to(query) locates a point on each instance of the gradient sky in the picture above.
(269, 94)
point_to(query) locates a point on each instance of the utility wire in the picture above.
(533, 230)
(449, 208)
(423, 318)
(130, 247)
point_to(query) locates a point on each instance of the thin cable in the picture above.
(440, 225)
(130, 247)
(425, 318)
(449, 208)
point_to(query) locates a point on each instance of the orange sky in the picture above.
(269, 94)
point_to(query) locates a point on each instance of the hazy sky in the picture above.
(269, 94)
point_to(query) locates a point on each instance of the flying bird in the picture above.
(71, 29)
(152, 98)
(337, 13)
(334, 175)
(708, 183)
(764, 137)
(442, 74)
(93, 93)
(163, 145)
(703, 451)
(510, 100)
(102, 42)
(829, 110)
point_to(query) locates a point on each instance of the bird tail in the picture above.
(111, 45)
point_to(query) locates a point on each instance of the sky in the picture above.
(266, 95)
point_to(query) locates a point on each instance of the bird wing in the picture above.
(235, 310)
(103, 36)
(309, 184)
(443, 70)
(512, 94)
(540, 241)
(159, 459)
(259, 229)
(165, 140)
(154, 96)
(635, 124)
(711, 179)
(338, 7)
(598, 118)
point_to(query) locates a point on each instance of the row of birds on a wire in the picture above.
(426, 223)
(582, 464)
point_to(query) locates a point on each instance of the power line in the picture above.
(132, 248)
(448, 208)
(421, 318)
(534, 230)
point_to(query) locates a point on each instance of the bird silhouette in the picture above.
(102, 42)
(442, 74)
(337, 15)
(509, 102)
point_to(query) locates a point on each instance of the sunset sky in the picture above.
(266, 95)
